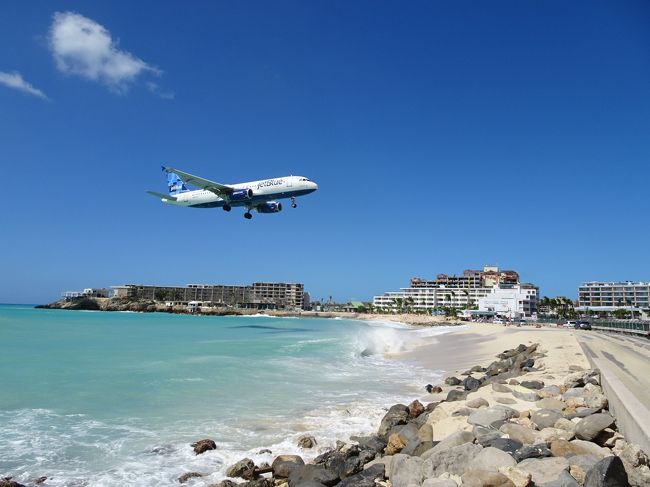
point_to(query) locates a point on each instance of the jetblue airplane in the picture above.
(256, 195)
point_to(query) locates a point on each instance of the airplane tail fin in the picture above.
(174, 182)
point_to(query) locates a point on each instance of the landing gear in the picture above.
(293, 202)
(227, 207)
(248, 215)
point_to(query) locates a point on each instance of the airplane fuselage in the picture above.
(263, 191)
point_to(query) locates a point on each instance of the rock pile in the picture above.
(563, 437)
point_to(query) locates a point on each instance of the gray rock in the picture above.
(485, 435)
(564, 480)
(477, 402)
(492, 459)
(238, 469)
(550, 403)
(398, 414)
(566, 425)
(519, 433)
(525, 394)
(485, 478)
(283, 465)
(374, 443)
(453, 460)
(545, 418)
(589, 427)
(505, 444)
(307, 441)
(185, 477)
(550, 391)
(582, 447)
(456, 395)
(581, 413)
(532, 451)
(365, 478)
(462, 412)
(544, 470)
(496, 387)
(471, 384)
(574, 392)
(505, 400)
(313, 473)
(596, 401)
(489, 416)
(425, 433)
(439, 483)
(452, 381)
(406, 470)
(532, 384)
(454, 439)
(309, 483)
(608, 472)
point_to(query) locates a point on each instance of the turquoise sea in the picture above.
(105, 399)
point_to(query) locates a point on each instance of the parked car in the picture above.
(498, 321)
(570, 324)
(583, 325)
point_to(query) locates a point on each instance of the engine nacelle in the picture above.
(269, 207)
(241, 194)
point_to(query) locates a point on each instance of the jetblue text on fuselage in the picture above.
(269, 182)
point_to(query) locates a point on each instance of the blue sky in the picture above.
(443, 136)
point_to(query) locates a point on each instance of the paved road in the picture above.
(628, 357)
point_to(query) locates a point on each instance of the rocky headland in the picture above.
(148, 306)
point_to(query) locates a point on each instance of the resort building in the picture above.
(463, 292)
(260, 295)
(511, 300)
(610, 296)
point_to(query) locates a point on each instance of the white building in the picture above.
(463, 292)
(609, 296)
(511, 301)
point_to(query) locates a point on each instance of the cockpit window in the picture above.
(304, 179)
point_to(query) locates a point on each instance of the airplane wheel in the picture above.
(227, 207)
(293, 205)
(248, 215)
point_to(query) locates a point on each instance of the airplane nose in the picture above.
(314, 185)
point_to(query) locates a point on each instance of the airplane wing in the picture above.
(217, 188)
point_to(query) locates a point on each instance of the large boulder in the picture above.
(239, 468)
(504, 444)
(588, 428)
(471, 384)
(313, 473)
(397, 414)
(492, 459)
(608, 472)
(550, 403)
(202, 446)
(283, 465)
(454, 439)
(452, 381)
(406, 470)
(485, 478)
(307, 441)
(415, 409)
(456, 395)
(532, 451)
(545, 418)
(496, 387)
(489, 416)
(519, 433)
(544, 470)
(454, 460)
(477, 402)
(366, 478)
(525, 394)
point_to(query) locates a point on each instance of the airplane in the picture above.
(255, 195)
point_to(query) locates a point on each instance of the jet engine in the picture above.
(269, 207)
(241, 194)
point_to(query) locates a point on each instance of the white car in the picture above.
(570, 324)
(498, 321)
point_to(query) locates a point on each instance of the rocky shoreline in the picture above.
(144, 306)
(508, 424)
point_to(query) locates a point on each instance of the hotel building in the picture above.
(260, 295)
(491, 287)
(609, 296)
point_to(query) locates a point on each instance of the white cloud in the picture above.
(15, 80)
(158, 91)
(85, 48)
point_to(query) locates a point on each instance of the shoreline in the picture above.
(107, 304)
